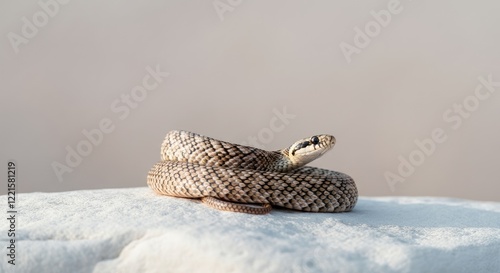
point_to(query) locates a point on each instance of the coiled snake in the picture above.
(238, 178)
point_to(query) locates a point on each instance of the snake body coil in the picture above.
(221, 173)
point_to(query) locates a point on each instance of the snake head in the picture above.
(308, 149)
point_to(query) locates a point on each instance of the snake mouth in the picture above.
(325, 150)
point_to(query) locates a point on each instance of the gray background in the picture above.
(231, 71)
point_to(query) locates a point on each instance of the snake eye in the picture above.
(315, 140)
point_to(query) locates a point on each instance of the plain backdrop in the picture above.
(261, 72)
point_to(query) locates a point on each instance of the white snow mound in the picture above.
(136, 230)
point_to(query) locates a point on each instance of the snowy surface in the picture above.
(135, 230)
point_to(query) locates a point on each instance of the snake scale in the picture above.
(240, 178)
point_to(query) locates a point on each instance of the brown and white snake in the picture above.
(239, 178)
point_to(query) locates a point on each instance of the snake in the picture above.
(239, 178)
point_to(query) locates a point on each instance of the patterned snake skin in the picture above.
(221, 173)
